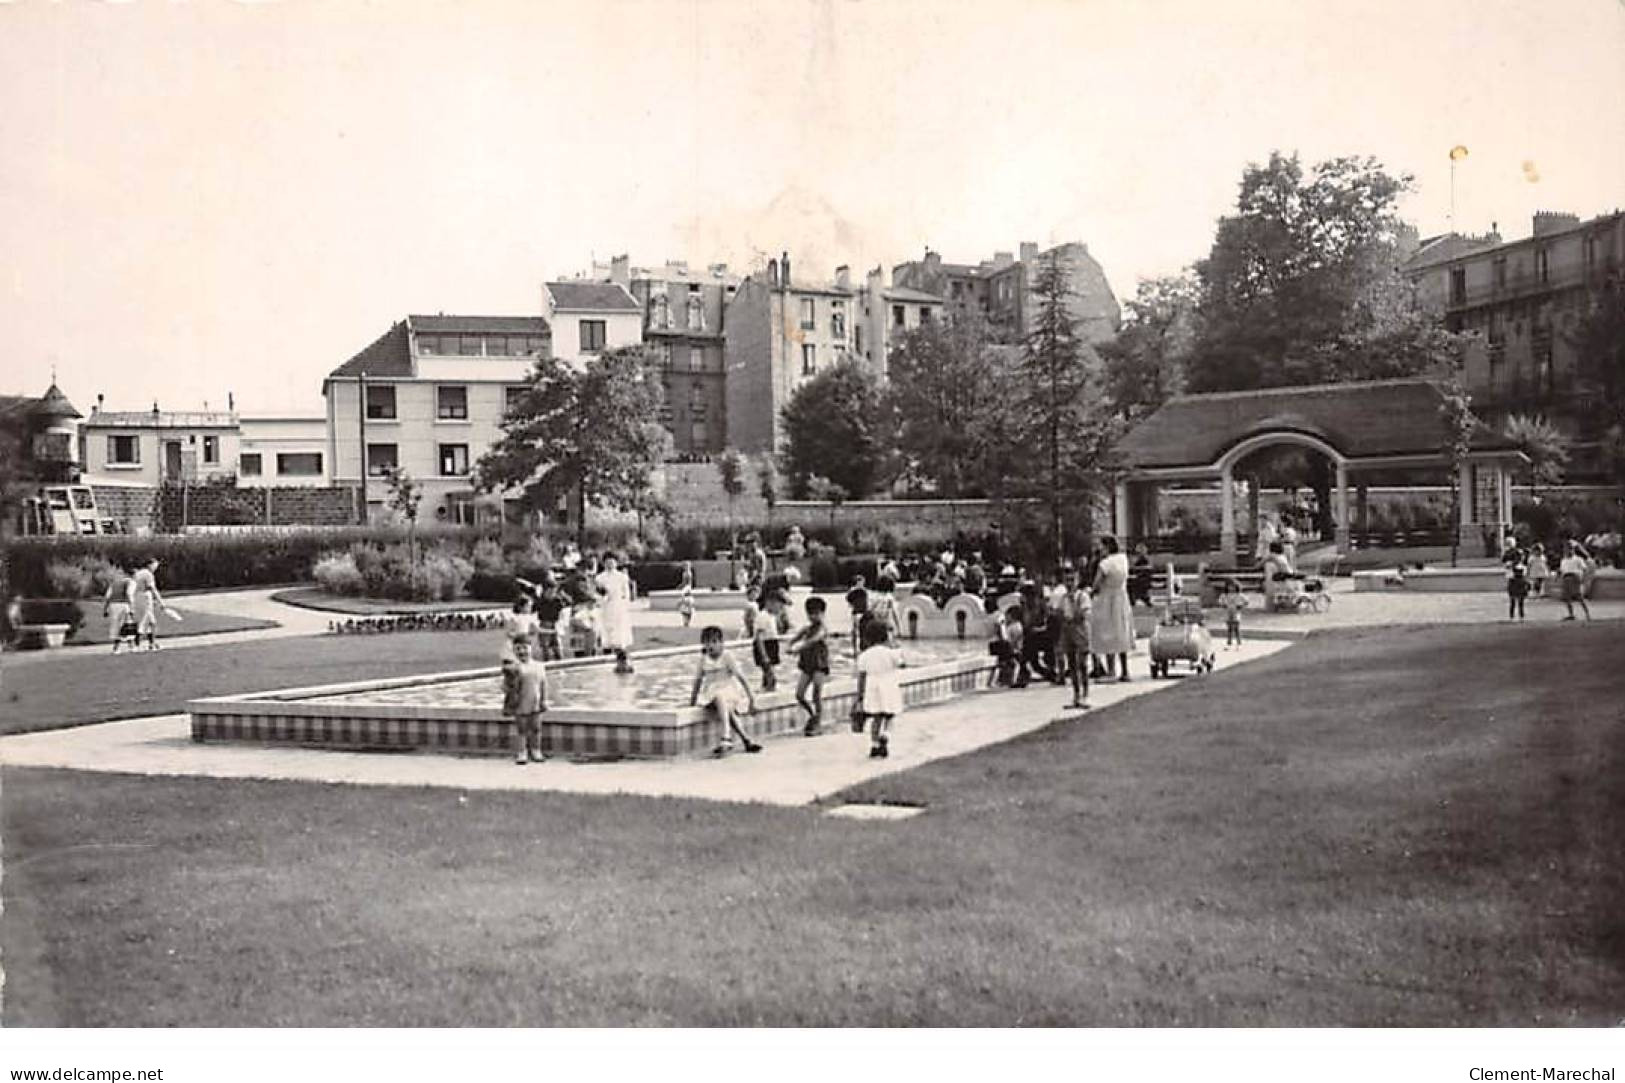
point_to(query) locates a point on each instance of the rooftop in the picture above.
(491, 325)
(160, 419)
(904, 293)
(591, 297)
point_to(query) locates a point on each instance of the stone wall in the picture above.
(134, 507)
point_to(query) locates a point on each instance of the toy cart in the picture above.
(1180, 636)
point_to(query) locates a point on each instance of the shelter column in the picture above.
(1341, 508)
(1227, 516)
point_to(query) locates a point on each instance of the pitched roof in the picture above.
(17, 405)
(1361, 420)
(55, 404)
(591, 297)
(490, 325)
(388, 355)
(162, 419)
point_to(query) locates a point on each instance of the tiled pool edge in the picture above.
(288, 717)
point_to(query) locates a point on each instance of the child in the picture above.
(718, 684)
(519, 623)
(524, 698)
(812, 659)
(1071, 621)
(857, 600)
(685, 604)
(1539, 570)
(1233, 601)
(1573, 571)
(883, 608)
(1007, 648)
(584, 628)
(880, 697)
(1517, 590)
(765, 641)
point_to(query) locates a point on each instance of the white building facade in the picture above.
(588, 318)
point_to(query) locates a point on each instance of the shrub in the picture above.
(82, 577)
(447, 575)
(488, 558)
(338, 573)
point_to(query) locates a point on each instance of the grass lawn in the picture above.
(75, 687)
(193, 622)
(1406, 827)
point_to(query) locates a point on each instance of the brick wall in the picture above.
(133, 506)
(216, 505)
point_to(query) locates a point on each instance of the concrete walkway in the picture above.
(790, 771)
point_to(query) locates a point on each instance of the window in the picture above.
(381, 458)
(380, 404)
(428, 344)
(453, 460)
(925, 314)
(1500, 266)
(1458, 285)
(809, 315)
(470, 345)
(837, 323)
(809, 359)
(124, 450)
(511, 397)
(1542, 268)
(211, 450)
(857, 336)
(299, 463)
(592, 336)
(898, 319)
(451, 402)
(248, 464)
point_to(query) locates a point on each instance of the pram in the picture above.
(1181, 636)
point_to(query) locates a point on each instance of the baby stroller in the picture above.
(1181, 636)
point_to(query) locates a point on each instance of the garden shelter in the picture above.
(1360, 428)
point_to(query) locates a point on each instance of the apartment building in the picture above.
(436, 391)
(887, 312)
(1000, 289)
(1522, 301)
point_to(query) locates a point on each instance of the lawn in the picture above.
(75, 687)
(193, 622)
(1402, 827)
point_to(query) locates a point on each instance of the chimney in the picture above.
(155, 408)
(843, 277)
(1002, 260)
(1029, 251)
(231, 403)
(100, 398)
(784, 261)
(718, 270)
(773, 273)
(620, 270)
(1554, 222)
(933, 261)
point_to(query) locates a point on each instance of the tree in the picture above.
(1145, 362)
(1302, 284)
(940, 378)
(405, 494)
(1456, 412)
(1065, 420)
(767, 482)
(1544, 443)
(593, 433)
(731, 469)
(838, 425)
(834, 493)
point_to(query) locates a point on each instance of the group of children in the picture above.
(1527, 571)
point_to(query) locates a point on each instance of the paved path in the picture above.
(792, 770)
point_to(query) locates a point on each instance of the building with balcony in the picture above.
(1000, 289)
(45, 430)
(435, 390)
(778, 334)
(1521, 302)
(588, 318)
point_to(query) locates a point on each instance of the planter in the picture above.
(41, 636)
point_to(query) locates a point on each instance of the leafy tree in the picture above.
(1302, 284)
(405, 495)
(1456, 412)
(1544, 443)
(1145, 363)
(593, 433)
(943, 382)
(731, 469)
(838, 426)
(1065, 421)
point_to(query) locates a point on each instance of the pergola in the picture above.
(1360, 427)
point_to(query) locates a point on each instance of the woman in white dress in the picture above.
(145, 602)
(1111, 621)
(615, 610)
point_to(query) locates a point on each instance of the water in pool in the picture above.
(658, 684)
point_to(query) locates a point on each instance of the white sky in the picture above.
(211, 196)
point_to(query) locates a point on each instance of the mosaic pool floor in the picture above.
(658, 684)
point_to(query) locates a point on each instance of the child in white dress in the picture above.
(720, 685)
(880, 694)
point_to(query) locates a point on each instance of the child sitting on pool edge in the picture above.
(718, 684)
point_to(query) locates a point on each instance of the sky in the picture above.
(222, 196)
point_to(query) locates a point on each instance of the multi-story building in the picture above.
(282, 452)
(886, 312)
(436, 391)
(158, 447)
(1522, 301)
(1000, 289)
(588, 318)
(46, 433)
(779, 333)
(683, 312)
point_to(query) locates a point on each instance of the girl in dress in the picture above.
(1539, 570)
(518, 624)
(719, 684)
(880, 695)
(145, 601)
(1112, 622)
(685, 604)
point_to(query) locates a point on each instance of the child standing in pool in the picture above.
(720, 685)
(524, 698)
(765, 642)
(812, 659)
(880, 695)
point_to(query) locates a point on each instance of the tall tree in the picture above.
(941, 376)
(1066, 421)
(838, 425)
(592, 433)
(1456, 413)
(1544, 444)
(405, 495)
(1302, 284)
(1146, 361)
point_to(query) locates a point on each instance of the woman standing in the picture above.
(1111, 624)
(615, 592)
(145, 602)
